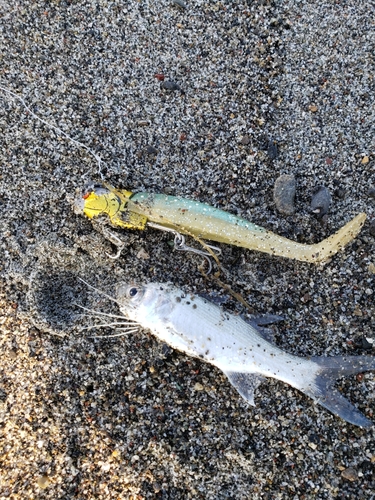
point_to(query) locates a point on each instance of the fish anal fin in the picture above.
(245, 383)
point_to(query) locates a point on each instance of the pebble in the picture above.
(160, 77)
(340, 193)
(272, 150)
(350, 473)
(142, 254)
(43, 482)
(245, 140)
(371, 192)
(362, 343)
(284, 193)
(150, 150)
(180, 4)
(269, 146)
(321, 201)
(169, 85)
(372, 228)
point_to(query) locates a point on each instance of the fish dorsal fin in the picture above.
(245, 383)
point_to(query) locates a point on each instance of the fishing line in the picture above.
(57, 129)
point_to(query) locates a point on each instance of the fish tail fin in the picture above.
(324, 392)
(325, 249)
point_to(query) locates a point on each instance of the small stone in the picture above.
(371, 268)
(245, 140)
(3, 395)
(159, 76)
(340, 193)
(157, 487)
(371, 192)
(171, 86)
(142, 254)
(180, 3)
(350, 473)
(269, 146)
(306, 298)
(365, 160)
(372, 228)
(362, 343)
(43, 482)
(313, 108)
(321, 201)
(272, 150)
(150, 150)
(357, 312)
(284, 193)
(198, 387)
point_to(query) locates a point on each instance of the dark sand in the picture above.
(128, 418)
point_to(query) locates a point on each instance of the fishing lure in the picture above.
(201, 329)
(137, 210)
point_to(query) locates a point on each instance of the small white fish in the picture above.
(201, 329)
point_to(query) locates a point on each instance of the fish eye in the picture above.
(133, 292)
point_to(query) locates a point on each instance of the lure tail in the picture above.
(322, 251)
(324, 392)
(268, 242)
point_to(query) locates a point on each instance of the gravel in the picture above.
(129, 418)
(320, 202)
(284, 193)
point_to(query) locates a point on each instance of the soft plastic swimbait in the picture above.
(134, 210)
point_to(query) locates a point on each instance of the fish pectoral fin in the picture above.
(245, 383)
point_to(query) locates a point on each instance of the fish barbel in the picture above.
(137, 210)
(201, 329)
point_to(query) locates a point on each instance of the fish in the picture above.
(201, 329)
(129, 210)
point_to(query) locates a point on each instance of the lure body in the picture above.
(201, 329)
(186, 216)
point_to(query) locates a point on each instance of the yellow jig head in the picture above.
(134, 211)
(112, 202)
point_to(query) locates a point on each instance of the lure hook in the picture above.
(179, 244)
